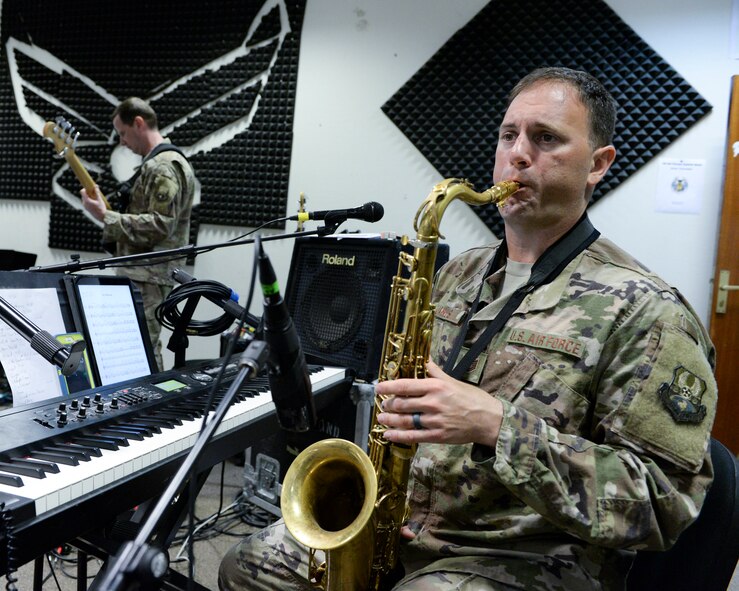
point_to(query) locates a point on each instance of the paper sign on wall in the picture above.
(680, 186)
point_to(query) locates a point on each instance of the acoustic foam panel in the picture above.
(452, 107)
(237, 66)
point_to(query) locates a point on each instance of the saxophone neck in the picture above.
(429, 214)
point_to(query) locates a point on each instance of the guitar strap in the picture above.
(123, 195)
(548, 266)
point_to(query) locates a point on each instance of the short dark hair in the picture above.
(600, 103)
(134, 107)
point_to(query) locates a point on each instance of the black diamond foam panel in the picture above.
(451, 108)
(191, 61)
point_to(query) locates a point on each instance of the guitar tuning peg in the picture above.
(74, 139)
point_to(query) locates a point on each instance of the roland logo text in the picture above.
(335, 259)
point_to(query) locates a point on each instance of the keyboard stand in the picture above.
(172, 580)
(104, 546)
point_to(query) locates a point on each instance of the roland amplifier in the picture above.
(338, 291)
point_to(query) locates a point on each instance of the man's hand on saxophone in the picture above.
(451, 411)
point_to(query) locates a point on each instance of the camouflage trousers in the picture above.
(153, 294)
(272, 559)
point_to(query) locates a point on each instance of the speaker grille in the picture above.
(333, 317)
(337, 293)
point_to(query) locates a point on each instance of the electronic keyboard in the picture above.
(70, 464)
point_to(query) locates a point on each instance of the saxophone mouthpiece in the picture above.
(500, 192)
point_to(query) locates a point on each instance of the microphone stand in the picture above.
(175, 253)
(139, 565)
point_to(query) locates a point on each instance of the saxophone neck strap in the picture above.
(547, 267)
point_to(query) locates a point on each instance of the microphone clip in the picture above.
(329, 227)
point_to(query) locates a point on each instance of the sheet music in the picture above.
(114, 332)
(31, 377)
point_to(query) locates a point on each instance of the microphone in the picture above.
(369, 212)
(66, 358)
(288, 372)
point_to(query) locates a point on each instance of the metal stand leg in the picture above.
(81, 570)
(38, 573)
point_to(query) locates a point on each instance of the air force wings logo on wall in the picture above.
(215, 113)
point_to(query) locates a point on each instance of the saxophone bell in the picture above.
(328, 500)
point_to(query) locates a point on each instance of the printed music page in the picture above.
(32, 378)
(113, 329)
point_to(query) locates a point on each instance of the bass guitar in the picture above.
(64, 136)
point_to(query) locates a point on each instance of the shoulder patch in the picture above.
(165, 188)
(683, 396)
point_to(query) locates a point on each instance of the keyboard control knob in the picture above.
(86, 401)
(74, 405)
(61, 419)
(97, 398)
(62, 407)
(82, 413)
(114, 402)
(100, 407)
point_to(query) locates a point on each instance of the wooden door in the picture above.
(724, 324)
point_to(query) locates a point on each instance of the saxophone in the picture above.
(336, 497)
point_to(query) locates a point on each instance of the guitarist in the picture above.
(158, 214)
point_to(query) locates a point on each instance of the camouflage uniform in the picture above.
(605, 375)
(158, 218)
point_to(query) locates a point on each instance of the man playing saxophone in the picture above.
(565, 417)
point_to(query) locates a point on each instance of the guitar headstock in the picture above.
(62, 133)
(64, 136)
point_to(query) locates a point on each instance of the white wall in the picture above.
(357, 54)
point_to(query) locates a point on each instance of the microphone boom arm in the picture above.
(180, 252)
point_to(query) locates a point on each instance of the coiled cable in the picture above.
(168, 314)
(6, 528)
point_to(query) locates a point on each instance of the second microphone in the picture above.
(369, 212)
(288, 374)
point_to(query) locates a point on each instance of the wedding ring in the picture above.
(417, 420)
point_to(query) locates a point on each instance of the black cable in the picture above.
(6, 523)
(201, 250)
(168, 314)
(52, 573)
(254, 515)
(62, 561)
